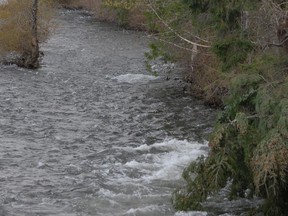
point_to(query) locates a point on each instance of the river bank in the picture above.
(237, 61)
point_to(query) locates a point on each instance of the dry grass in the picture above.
(77, 4)
(207, 83)
(137, 18)
(15, 24)
(269, 165)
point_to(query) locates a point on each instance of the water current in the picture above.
(92, 132)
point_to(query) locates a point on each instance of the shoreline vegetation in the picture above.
(23, 25)
(235, 55)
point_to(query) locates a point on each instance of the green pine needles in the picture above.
(249, 146)
(237, 52)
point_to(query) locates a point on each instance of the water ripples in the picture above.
(91, 132)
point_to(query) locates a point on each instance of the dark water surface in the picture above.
(92, 132)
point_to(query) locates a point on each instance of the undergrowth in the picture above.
(250, 141)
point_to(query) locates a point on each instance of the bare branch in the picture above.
(174, 44)
(176, 33)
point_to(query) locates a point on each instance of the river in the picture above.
(92, 132)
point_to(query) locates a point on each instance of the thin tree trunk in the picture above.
(30, 59)
(35, 42)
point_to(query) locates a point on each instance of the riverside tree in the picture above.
(23, 25)
(30, 59)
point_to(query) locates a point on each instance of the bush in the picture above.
(250, 141)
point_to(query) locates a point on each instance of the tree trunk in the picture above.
(30, 59)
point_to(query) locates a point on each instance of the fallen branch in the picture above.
(277, 45)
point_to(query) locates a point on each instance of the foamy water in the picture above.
(135, 78)
(139, 185)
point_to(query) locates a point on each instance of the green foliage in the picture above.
(218, 166)
(203, 178)
(173, 13)
(168, 19)
(232, 51)
(242, 122)
(196, 191)
(122, 15)
(250, 139)
(156, 51)
(218, 134)
(198, 6)
(226, 13)
(221, 18)
(250, 142)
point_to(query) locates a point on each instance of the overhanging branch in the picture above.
(175, 32)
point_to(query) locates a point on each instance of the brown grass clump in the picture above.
(207, 83)
(137, 18)
(101, 12)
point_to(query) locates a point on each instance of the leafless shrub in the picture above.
(268, 26)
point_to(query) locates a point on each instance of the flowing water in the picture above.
(92, 132)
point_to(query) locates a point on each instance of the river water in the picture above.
(92, 132)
